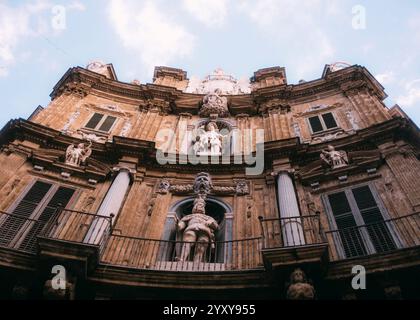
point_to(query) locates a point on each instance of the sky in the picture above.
(41, 39)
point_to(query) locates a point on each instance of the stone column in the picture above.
(111, 205)
(291, 223)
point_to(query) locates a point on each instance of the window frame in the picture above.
(348, 191)
(321, 119)
(26, 226)
(103, 119)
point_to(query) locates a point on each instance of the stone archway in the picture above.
(215, 208)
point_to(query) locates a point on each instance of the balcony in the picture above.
(379, 245)
(292, 241)
(86, 240)
(18, 233)
(151, 254)
(75, 237)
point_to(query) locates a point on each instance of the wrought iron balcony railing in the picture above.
(165, 255)
(377, 237)
(19, 233)
(291, 232)
(79, 227)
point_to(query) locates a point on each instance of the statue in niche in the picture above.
(209, 142)
(76, 155)
(335, 159)
(214, 103)
(299, 287)
(197, 231)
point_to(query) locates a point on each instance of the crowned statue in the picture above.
(197, 231)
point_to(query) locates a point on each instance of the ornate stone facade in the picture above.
(129, 186)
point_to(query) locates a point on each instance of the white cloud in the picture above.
(18, 23)
(414, 25)
(211, 13)
(386, 77)
(297, 25)
(148, 31)
(76, 5)
(412, 95)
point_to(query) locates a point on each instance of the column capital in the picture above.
(275, 173)
(185, 115)
(123, 168)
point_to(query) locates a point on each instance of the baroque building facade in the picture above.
(211, 188)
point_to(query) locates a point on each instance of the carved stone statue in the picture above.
(203, 184)
(76, 155)
(214, 103)
(335, 159)
(209, 142)
(196, 231)
(299, 287)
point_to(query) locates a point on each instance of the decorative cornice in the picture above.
(81, 82)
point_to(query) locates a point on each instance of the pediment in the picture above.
(53, 160)
(358, 161)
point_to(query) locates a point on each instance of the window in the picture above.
(322, 122)
(101, 122)
(358, 223)
(38, 204)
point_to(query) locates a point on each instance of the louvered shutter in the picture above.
(107, 124)
(60, 198)
(28, 204)
(315, 124)
(378, 230)
(348, 232)
(329, 120)
(93, 122)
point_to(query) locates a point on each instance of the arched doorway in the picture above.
(215, 208)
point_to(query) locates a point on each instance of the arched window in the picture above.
(215, 208)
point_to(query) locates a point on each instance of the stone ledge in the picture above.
(275, 258)
(398, 259)
(113, 275)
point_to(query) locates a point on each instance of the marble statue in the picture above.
(335, 159)
(299, 287)
(76, 155)
(197, 231)
(209, 142)
(214, 103)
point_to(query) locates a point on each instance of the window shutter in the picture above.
(93, 122)
(372, 216)
(28, 204)
(315, 124)
(60, 198)
(107, 124)
(329, 120)
(348, 231)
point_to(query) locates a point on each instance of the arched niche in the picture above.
(226, 127)
(216, 208)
